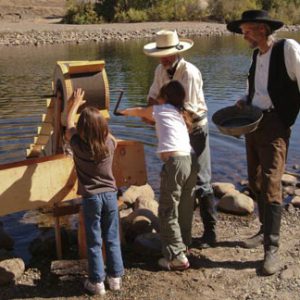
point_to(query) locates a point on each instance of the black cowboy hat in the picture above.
(254, 16)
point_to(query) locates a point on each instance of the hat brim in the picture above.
(234, 26)
(151, 49)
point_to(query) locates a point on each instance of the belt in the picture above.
(269, 110)
(166, 155)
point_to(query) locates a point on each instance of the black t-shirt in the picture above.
(93, 178)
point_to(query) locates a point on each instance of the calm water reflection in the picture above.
(26, 75)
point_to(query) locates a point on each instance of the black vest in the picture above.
(283, 92)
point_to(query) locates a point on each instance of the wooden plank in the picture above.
(45, 128)
(35, 183)
(69, 267)
(48, 117)
(129, 166)
(50, 102)
(86, 66)
(34, 150)
(41, 139)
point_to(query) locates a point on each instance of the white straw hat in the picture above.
(167, 43)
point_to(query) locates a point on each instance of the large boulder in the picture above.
(288, 179)
(222, 188)
(11, 270)
(134, 192)
(143, 219)
(236, 203)
(296, 201)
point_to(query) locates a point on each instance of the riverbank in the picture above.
(40, 31)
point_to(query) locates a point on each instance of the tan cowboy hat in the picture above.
(254, 16)
(167, 43)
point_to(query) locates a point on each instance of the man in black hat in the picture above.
(273, 86)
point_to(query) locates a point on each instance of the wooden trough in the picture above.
(47, 177)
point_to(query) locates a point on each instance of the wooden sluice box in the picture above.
(47, 177)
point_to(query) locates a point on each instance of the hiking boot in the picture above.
(254, 241)
(257, 239)
(271, 263)
(179, 263)
(114, 283)
(208, 240)
(209, 218)
(97, 288)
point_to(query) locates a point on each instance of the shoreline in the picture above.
(50, 31)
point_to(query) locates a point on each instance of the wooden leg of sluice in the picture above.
(58, 238)
(81, 235)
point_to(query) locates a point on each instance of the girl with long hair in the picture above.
(93, 147)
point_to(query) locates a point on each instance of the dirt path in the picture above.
(225, 272)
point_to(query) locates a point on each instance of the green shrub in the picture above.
(81, 13)
(132, 15)
(227, 10)
(289, 14)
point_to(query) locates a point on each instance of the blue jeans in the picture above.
(102, 221)
(199, 140)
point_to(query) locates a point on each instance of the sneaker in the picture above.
(180, 262)
(97, 288)
(114, 283)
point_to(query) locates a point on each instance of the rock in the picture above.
(296, 201)
(289, 179)
(139, 221)
(236, 203)
(6, 242)
(133, 192)
(221, 188)
(297, 192)
(289, 190)
(147, 203)
(11, 270)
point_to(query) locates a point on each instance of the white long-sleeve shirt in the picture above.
(191, 79)
(261, 96)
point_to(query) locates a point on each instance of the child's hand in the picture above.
(124, 112)
(78, 95)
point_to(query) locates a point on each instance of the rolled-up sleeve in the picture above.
(292, 60)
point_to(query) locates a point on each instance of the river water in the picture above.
(26, 74)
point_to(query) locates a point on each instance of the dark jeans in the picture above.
(199, 140)
(102, 221)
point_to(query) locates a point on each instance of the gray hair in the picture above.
(270, 33)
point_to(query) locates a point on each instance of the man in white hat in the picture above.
(168, 47)
(274, 87)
